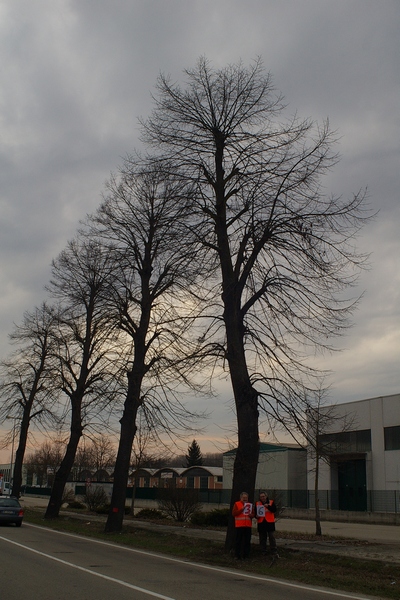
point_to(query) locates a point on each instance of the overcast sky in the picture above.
(76, 75)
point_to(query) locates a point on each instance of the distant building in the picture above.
(5, 473)
(196, 477)
(362, 469)
(280, 467)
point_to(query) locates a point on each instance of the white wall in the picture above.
(383, 467)
(281, 470)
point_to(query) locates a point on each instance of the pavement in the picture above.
(361, 540)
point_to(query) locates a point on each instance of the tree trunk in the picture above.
(246, 397)
(246, 402)
(61, 477)
(246, 460)
(19, 457)
(128, 429)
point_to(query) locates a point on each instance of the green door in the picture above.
(352, 480)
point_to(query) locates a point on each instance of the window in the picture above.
(346, 442)
(392, 438)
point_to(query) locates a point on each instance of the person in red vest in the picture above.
(243, 512)
(265, 514)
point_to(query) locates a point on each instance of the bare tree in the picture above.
(27, 381)
(141, 221)
(102, 450)
(87, 345)
(319, 421)
(45, 461)
(280, 252)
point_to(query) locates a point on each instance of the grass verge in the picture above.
(328, 570)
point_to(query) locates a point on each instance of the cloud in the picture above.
(77, 75)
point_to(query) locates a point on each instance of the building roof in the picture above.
(180, 471)
(266, 448)
(216, 471)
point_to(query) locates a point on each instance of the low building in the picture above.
(280, 467)
(361, 463)
(6, 470)
(196, 477)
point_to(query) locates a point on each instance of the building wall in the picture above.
(282, 469)
(297, 470)
(5, 472)
(272, 471)
(382, 466)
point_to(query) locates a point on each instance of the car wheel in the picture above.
(18, 523)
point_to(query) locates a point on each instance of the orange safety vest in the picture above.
(269, 516)
(241, 520)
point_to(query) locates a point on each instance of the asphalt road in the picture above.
(42, 564)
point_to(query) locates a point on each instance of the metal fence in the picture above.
(383, 501)
(386, 501)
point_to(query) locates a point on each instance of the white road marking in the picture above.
(208, 567)
(68, 564)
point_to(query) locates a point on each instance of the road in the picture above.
(43, 564)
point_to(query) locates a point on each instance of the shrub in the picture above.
(76, 504)
(199, 518)
(178, 503)
(68, 496)
(95, 497)
(149, 513)
(104, 509)
(219, 517)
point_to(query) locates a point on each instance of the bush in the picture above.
(95, 497)
(199, 518)
(149, 513)
(68, 496)
(178, 503)
(219, 517)
(76, 504)
(104, 509)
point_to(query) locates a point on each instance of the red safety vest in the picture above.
(269, 516)
(241, 520)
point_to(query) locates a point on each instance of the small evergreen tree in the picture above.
(194, 455)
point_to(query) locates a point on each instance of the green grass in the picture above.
(354, 575)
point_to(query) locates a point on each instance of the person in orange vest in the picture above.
(265, 514)
(243, 512)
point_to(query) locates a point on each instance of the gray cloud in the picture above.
(77, 74)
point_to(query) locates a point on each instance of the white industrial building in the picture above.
(280, 467)
(362, 446)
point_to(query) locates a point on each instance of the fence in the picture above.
(375, 500)
(382, 501)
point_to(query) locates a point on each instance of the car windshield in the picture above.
(9, 502)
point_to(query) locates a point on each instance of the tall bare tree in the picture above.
(88, 353)
(141, 221)
(28, 381)
(281, 250)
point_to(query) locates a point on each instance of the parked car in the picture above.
(10, 510)
(5, 489)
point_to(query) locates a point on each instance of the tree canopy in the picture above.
(194, 456)
(279, 250)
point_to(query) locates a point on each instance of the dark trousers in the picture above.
(266, 530)
(242, 542)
